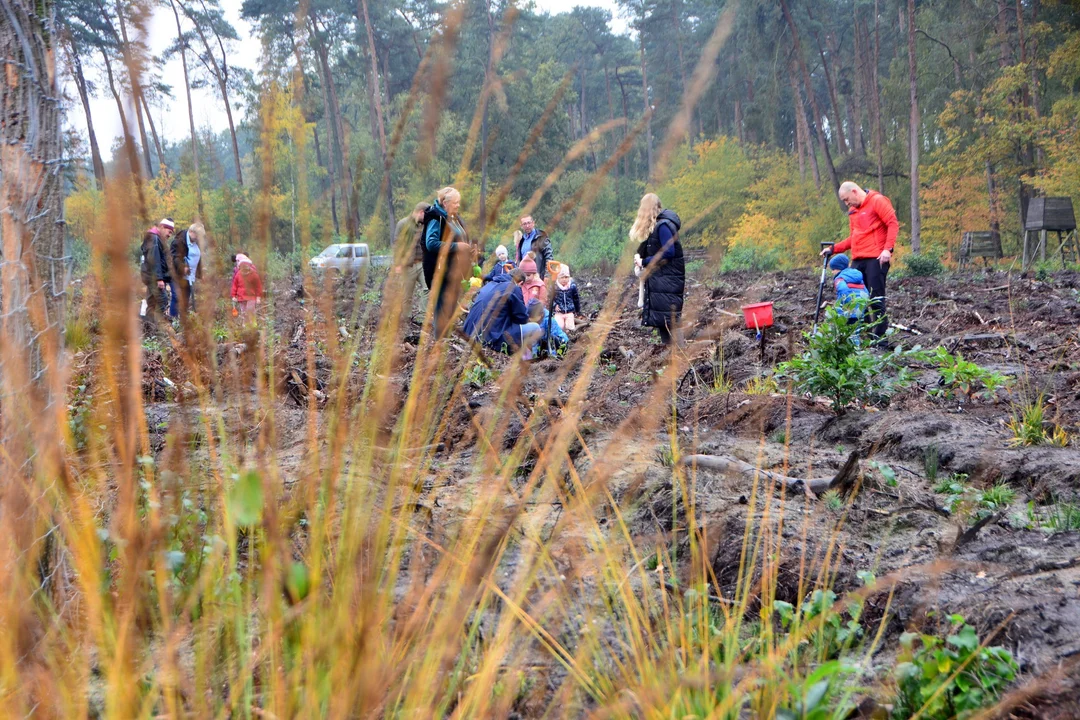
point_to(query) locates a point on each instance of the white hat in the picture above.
(167, 222)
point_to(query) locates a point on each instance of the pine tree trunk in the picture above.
(191, 111)
(134, 165)
(376, 95)
(841, 139)
(645, 95)
(33, 279)
(135, 76)
(84, 97)
(879, 133)
(822, 143)
(915, 121)
(340, 151)
(802, 129)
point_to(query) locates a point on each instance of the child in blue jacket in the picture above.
(851, 293)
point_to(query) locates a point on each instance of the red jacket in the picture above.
(246, 283)
(873, 228)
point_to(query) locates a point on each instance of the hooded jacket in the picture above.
(850, 289)
(665, 283)
(246, 283)
(155, 264)
(498, 307)
(439, 230)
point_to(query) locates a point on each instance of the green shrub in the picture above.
(838, 366)
(923, 266)
(745, 258)
(952, 677)
(962, 376)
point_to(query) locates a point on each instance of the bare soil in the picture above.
(1013, 577)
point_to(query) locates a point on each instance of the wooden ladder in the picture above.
(1069, 249)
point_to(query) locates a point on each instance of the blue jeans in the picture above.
(174, 301)
(524, 337)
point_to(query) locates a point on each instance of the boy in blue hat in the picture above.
(850, 289)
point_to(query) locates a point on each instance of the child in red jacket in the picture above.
(247, 288)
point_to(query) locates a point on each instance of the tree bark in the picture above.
(801, 127)
(220, 71)
(33, 279)
(376, 96)
(841, 139)
(915, 121)
(135, 77)
(191, 111)
(84, 97)
(879, 133)
(822, 142)
(678, 45)
(645, 96)
(341, 152)
(129, 144)
(626, 116)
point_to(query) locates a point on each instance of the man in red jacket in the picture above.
(873, 236)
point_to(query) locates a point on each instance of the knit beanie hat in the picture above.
(564, 270)
(528, 265)
(501, 251)
(839, 262)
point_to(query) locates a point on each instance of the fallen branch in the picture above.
(812, 486)
(966, 536)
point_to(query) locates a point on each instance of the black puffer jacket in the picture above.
(666, 281)
(567, 299)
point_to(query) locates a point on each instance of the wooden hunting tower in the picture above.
(1050, 214)
(983, 243)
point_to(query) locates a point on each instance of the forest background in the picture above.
(960, 111)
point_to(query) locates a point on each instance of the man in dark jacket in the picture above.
(530, 238)
(665, 275)
(498, 317)
(155, 268)
(409, 252)
(179, 286)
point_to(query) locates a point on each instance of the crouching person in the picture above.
(499, 318)
(851, 293)
(552, 336)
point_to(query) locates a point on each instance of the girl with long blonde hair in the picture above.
(660, 255)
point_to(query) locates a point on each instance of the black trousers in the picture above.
(874, 274)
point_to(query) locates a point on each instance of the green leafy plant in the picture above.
(479, 375)
(925, 265)
(888, 475)
(836, 365)
(954, 484)
(954, 677)
(962, 376)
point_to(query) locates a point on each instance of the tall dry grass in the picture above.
(202, 580)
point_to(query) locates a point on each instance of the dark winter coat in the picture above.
(665, 284)
(178, 252)
(497, 309)
(567, 299)
(440, 230)
(155, 264)
(541, 249)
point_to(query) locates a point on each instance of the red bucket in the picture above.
(758, 315)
